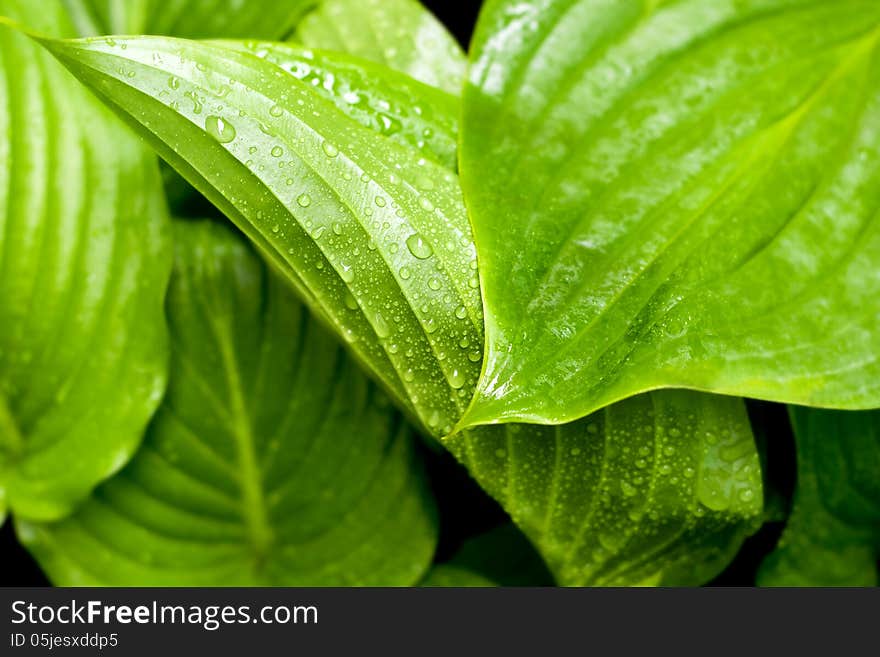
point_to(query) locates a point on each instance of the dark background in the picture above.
(465, 510)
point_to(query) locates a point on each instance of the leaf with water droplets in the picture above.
(401, 34)
(84, 262)
(391, 103)
(272, 460)
(833, 533)
(660, 489)
(276, 181)
(675, 194)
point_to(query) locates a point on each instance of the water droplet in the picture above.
(426, 204)
(346, 273)
(380, 325)
(219, 129)
(456, 379)
(405, 273)
(319, 231)
(474, 282)
(474, 356)
(380, 201)
(350, 301)
(337, 228)
(388, 125)
(329, 149)
(419, 247)
(276, 111)
(435, 284)
(277, 151)
(430, 325)
(461, 312)
(304, 200)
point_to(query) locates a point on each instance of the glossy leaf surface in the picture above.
(675, 194)
(374, 236)
(272, 461)
(401, 34)
(660, 489)
(84, 263)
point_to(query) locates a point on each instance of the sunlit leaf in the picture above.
(374, 236)
(675, 194)
(401, 34)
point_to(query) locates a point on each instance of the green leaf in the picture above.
(193, 19)
(401, 34)
(674, 194)
(445, 575)
(833, 534)
(84, 264)
(272, 460)
(374, 236)
(389, 103)
(502, 555)
(658, 489)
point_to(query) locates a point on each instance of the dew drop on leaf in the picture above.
(329, 149)
(381, 326)
(219, 129)
(304, 200)
(419, 247)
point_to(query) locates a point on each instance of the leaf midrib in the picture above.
(254, 508)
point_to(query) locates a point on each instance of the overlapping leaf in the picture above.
(272, 460)
(833, 534)
(675, 194)
(83, 268)
(401, 34)
(390, 103)
(193, 19)
(658, 489)
(374, 237)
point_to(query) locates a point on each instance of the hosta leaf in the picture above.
(833, 534)
(83, 268)
(272, 460)
(401, 34)
(502, 555)
(374, 237)
(444, 575)
(658, 489)
(675, 194)
(194, 19)
(390, 103)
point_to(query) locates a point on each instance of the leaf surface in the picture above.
(833, 533)
(675, 194)
(192, 19)
(272, 460)
(373, 235)
(84, 264)
(660, 489)
(401, 34)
